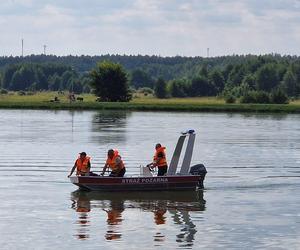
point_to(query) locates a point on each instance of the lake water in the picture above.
(251, 198)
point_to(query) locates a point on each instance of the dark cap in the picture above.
(82, 153)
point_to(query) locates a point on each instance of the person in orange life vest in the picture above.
(115, 163)
(159, 160)
(82, 165)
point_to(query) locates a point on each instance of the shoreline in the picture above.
(180, 107)
(45, 101)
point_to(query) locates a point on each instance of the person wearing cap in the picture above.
(115, 163)
(82, 165)
(159, 160)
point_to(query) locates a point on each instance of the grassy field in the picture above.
(43, 101)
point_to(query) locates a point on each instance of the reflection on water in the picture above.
(163, 205)
(187, 234)
(109, 126)
(82, 207)
(114, 218)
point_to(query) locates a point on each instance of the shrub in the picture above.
(248, 97)
(230, 99)
(255, 97)
(145, 90)
(3, 92)
(262, 97)
(178, 88)
(279, 97)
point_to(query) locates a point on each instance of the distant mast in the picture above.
(207, 52)
(45, 46)
(22, 47)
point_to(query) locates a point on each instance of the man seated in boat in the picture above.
(82, 165)
(159, 160)
(115, 163)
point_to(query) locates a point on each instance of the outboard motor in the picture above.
(199, 169)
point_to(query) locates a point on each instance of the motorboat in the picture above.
(187, 178)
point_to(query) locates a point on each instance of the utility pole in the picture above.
(45, 46)
(207, 52)
(22, 47)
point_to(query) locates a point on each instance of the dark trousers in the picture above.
(118, 174)
(162, 170)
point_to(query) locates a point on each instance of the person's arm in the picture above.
(150, 165)
(72, 170)
(104, 169)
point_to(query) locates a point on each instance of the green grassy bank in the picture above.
(147, 103)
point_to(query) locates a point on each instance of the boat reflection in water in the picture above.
(163, 205)
(82, 206)
(114, 218)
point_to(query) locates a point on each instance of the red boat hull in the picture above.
(160, 183)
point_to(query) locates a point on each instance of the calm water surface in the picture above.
(251, 199)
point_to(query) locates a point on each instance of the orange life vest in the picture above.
(162, 161)
(82, 165)
(159, 217)
(83, 210)
(112, 162)
(114, 217)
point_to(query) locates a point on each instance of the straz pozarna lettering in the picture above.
(144, 180)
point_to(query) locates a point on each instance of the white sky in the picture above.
(159, 27)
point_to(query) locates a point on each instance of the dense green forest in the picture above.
(251, 78)
(43, 76)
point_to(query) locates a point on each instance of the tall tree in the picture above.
(160, 88)
(178, 88)
(200, 86)
(216, 78)
(249, 80)
(41, 80)
(1, 79)
(140, 78)
(267, 77)
(54, 82)
(290, 83)
(9, 71)
(237, 74)
(109, 82)
(17, 82)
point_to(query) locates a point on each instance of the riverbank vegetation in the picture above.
(61, 100)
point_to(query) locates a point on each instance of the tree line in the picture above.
(261, 79)
(250, 78)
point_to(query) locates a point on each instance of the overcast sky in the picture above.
(159, 27)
